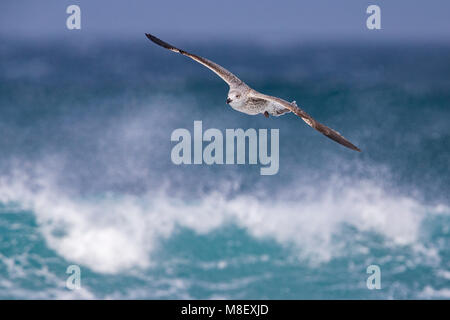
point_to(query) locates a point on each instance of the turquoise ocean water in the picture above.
(86, 176)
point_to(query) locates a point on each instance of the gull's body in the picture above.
(244, 99)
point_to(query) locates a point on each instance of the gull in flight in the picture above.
(244, 99)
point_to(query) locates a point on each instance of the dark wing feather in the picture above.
(226, 75)
(330, 133)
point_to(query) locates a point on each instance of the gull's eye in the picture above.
(238, 96)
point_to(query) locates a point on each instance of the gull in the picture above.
(247, 100)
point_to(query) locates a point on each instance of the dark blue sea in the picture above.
(86, 176)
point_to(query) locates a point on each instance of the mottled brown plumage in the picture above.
(244, 99)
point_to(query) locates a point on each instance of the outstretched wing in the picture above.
(226, 75)
(330, 133)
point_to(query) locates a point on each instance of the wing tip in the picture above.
(349, 145)
(151, 37)
(160, 42)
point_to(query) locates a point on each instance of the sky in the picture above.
(259, 20)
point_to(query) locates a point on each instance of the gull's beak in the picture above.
(228, 100)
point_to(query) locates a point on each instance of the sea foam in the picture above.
(112, 233)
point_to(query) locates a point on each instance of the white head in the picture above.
(235, 98)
